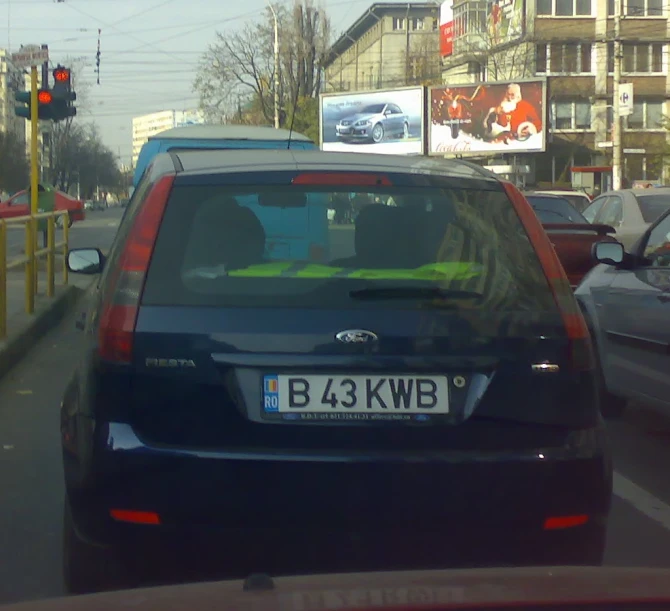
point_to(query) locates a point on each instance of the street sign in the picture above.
(625, 99)
(30, 55)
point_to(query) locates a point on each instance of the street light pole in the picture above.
(616, 102)
(274, 15)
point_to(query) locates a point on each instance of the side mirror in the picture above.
(610, 253)
(85, 261)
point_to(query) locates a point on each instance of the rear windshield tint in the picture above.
(306, 247)
(652, 206)
(555, 210)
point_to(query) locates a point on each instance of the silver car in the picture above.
(626, 300)
(629, 211)
(374, 123)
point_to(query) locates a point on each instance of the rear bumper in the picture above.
(458, 493)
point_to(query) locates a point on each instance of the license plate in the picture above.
(355, 397)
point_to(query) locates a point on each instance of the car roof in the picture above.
(641, 191)
(545, 194)
(560, 193)
(229, 132)
(254, 160)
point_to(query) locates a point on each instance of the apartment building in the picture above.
(390, 45)
(146, 126)
(11, 79)
(570, 42)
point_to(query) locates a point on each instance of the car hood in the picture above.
(412, 590)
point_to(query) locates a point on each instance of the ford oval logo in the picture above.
(356, 336)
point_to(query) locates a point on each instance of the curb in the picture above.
(47, 316)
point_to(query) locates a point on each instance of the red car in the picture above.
(19, 205)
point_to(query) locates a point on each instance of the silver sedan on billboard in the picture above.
(373, 123)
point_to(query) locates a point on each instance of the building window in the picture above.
(416, 23)
(637, 8)
(541, 59)
(638, 58)
(647, 114)
(569, 58)
(469, 18)
(564, 8)
(571, 115)
(398, 23)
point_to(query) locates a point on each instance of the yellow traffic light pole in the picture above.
(31, 268)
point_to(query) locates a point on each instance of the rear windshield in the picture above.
(308, 247)
(653, 206)
(579, 202)
(555, 210)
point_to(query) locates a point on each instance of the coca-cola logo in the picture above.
(456, 147)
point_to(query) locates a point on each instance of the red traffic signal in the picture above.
(62, 75)
(44, 97)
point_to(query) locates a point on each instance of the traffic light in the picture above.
(45, 108)
(62, 93)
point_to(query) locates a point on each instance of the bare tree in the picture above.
(503, 62)
(422, 60)
(14, 165)
(236, 78)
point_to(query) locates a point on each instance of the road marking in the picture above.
(112, 224)
(642, 500)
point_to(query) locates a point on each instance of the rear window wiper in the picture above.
(408, 292)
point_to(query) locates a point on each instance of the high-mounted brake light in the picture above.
(343, 179)
(582, 357)
(119, 312)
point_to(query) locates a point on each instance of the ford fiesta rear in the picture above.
(424, 374)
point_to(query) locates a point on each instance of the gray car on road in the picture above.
(627, 303)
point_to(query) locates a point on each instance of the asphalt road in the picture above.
(31, 481)
(97, 230)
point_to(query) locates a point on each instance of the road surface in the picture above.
(98, 230)
(31, 478)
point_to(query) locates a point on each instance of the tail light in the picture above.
(581, 349)
(119, 311)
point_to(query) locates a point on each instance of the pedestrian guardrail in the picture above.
(30, 258)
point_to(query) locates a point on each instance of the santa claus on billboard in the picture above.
(513, 119)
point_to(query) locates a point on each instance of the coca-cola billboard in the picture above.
(507, 117)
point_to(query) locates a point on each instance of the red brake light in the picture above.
(344, 179)
(560, 522)
(575, 326)
(135, 517)
(119, 313)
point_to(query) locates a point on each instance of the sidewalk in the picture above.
(23, 329)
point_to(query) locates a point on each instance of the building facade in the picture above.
(146, 126)
(571, 43)
(11, 80)
(390, 45)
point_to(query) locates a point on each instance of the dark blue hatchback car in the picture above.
(428, 383)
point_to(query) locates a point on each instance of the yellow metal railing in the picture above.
(30, 259)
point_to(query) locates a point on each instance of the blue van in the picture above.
(291, 233)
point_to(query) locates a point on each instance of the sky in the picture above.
(149, 49)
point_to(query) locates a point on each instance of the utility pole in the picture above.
(274, 15)
(616, 94)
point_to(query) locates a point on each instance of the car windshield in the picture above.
(344, 248)
(653, 206)
(555, 209)
(374, 109)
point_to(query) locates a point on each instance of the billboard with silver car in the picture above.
(389, 121)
